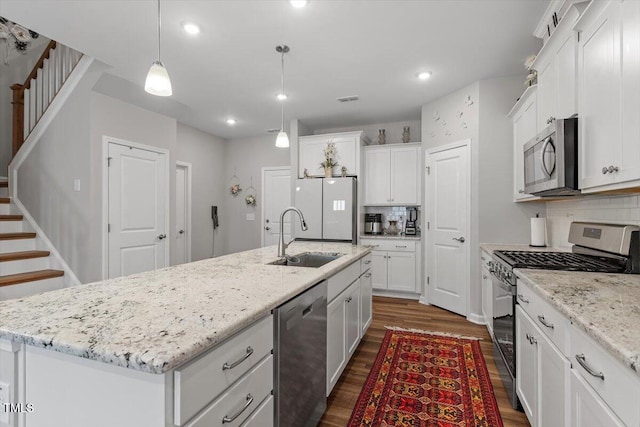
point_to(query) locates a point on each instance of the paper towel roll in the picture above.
(538, 232)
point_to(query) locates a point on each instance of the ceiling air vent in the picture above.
(275, 130)
(348, 98)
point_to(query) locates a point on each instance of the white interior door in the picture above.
(447, 200)
(276, 194)
(182, 245)
(137, 206)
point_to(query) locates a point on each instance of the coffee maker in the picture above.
(373, 224)
(411, 227)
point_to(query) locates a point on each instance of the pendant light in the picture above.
(282, 141)
(158, 82)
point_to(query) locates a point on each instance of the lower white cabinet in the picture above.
(343, 332)
(542, 375)
(395, 265)
(263, 416)
(349, 315)
(487, 294)
(587, 408)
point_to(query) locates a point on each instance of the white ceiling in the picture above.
(361, 47)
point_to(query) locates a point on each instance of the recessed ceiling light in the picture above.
(424, 75)
(191, 28)
(231, 122)
(298, 3)
(281, 96)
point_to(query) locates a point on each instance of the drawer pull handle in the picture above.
(227, 366)
(230, 419)
(401, 246)
(368, 262)
(544, 322)
(582, 360)
(523, 299)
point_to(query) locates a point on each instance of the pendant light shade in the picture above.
(282, 141)
(158, 82)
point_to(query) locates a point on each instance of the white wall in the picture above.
(19, 67)
(616, 210)
(494, 216)
(393, 131)
(206, 153)
(246, 157)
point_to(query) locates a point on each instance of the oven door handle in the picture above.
(505, 286)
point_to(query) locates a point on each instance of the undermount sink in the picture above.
(308, 259)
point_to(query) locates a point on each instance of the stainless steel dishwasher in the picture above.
(301, 359)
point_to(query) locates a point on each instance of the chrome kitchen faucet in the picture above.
(282, 246)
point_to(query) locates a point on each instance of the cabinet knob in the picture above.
(605, 170)
(267, 228)
(162, 236)
(613, 169)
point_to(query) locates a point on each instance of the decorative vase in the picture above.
(382, 137)
(328, 172)
(406, 136)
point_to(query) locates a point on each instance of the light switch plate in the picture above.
(251, 217)
(76, 185)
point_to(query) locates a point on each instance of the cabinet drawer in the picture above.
(341, 280)
(235, 405)
(263, 416)
(365, 263)
(199, 382)
(620, 388)
(391, 245)
(553, 324)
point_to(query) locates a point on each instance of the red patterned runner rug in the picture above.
(427, 379)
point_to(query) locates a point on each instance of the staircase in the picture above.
(25, 269)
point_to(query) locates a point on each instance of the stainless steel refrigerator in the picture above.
(329, 208)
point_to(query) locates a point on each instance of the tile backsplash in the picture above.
(617, 210)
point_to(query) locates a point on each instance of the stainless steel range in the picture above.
(603, 248)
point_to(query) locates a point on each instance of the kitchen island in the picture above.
(113, 346)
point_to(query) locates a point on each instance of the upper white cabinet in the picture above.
(392, 175)
(524, 117)
(311, 153)
(609, 87)
(556, 66)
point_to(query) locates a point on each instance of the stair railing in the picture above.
(32, 98)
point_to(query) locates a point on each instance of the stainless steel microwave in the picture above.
(551, 160)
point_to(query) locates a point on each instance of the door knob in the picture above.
(181, 232)
(162, 236)
(459, 239)
(267, 228)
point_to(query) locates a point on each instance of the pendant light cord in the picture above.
(159, 28)
(282, 102)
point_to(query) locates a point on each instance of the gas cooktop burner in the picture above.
(561, 261)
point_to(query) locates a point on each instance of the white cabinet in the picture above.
(608, 69)
(366, 302)
(487, 291)
(524, 116)
(395, 265)
(587, 409)
(542, 375)
(392, 175)
(311, 153)
(349, 314)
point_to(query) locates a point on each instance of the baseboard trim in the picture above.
(396, 294)
(423, 300)
(478, 319)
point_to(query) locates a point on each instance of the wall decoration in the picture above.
(468, 101)
(406, 135)
(234, 182)
(443, 123)
(15, 37)
(460, 113)
(382, 137)
(250, 198)
(463, 124)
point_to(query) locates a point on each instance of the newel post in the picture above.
(18, 116)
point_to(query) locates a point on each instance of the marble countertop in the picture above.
(492, 247)
(389, 237)
(605, 306)
(155, 321)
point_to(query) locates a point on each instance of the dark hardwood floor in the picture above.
(409, 314)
